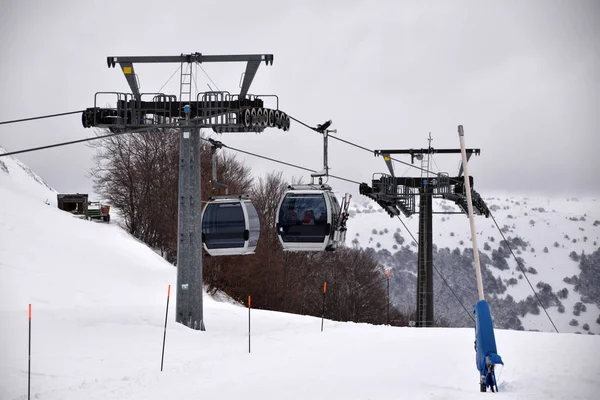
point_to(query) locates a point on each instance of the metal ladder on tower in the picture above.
(185, 87)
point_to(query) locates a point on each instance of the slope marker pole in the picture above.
(249, 307)
(323, 314)
(387, 274)
(165, 332)
(29, 359)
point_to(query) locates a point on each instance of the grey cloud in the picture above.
(522, 77)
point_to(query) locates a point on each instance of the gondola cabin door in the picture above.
(305, 218)
(230, 226)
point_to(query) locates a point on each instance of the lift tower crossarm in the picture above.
(253, 60)
(194, 57)
(427, 151)
(414, 152)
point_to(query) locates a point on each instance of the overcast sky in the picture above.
(522, 77)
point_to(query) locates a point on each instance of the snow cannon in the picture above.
(485, 347)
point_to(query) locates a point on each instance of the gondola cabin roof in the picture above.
(310, 187)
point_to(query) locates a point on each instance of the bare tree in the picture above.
(138, 174)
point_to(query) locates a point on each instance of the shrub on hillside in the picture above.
(586, 327)
(511, 281)
(574, 256)
(532, 271)
(398, 238)
(578, 308)
(498, 260)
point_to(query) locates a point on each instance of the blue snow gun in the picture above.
(485, 346)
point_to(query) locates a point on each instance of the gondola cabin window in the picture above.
(303, 218)
(230, 226)
(224, 225)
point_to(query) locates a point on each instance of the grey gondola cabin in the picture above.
(310, 218)
(230, 226)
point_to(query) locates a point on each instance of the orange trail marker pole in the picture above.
(162, 358)
(249, 306)
(29, 359)
(324, 293)
(387, 273)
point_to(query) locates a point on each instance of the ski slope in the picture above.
(99, 297)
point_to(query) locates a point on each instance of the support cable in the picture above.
(11, 153)
(208, 76)
(282, 162)
(523, 271)
(156, 128)
(439, 273)
(169, 80)
(40, 117)
(357, 145)
(367, 149)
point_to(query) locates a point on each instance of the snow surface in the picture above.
(99, 297)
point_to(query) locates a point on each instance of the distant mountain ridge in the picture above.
(556, 241)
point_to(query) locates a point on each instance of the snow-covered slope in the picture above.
(553, 232)
(98, 301)
(19, 179)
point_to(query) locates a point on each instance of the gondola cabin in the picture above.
(310, 219)
(230, 226)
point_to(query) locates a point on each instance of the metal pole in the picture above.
(461, 137)
(323, 314)
(325, 166)
(29, 359)
(249, 306)
(189, 246)
(165, 332)
(388, 296)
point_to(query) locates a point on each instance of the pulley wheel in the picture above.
(247, 118)
(271, 121)
(277, 119)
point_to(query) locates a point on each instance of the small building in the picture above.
(73, 203)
